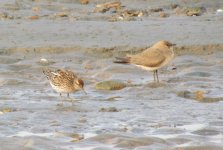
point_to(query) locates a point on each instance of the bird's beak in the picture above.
(174, 44)
(84, 91)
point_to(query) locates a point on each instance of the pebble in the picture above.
(45, 62)
(110, 109)
(110, 85)
(84, 2)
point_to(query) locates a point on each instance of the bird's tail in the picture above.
(122, 60)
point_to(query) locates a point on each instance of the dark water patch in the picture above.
(199, 74)
(168, 131)
(206, 132)
(178, 141)
(217, 123)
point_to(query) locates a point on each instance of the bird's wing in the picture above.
(150, 58)
(66, 75)
(60, 76)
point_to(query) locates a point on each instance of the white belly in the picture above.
(147, 68)
(62, 89)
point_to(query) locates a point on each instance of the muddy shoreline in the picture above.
(113, 51)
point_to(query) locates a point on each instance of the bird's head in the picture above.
(164, 43)
(80, 85)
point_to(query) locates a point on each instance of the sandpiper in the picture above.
(153, 58)
(64, 81)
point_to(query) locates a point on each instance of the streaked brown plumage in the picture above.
(64, 81)
(153, 58)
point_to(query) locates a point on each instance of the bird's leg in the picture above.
(154, 76)
(72, 102)
(157, 76)
(61, 98)
(71, 99)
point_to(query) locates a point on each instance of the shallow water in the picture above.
(149, 115)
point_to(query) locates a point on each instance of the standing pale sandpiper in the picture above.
(153, 58)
